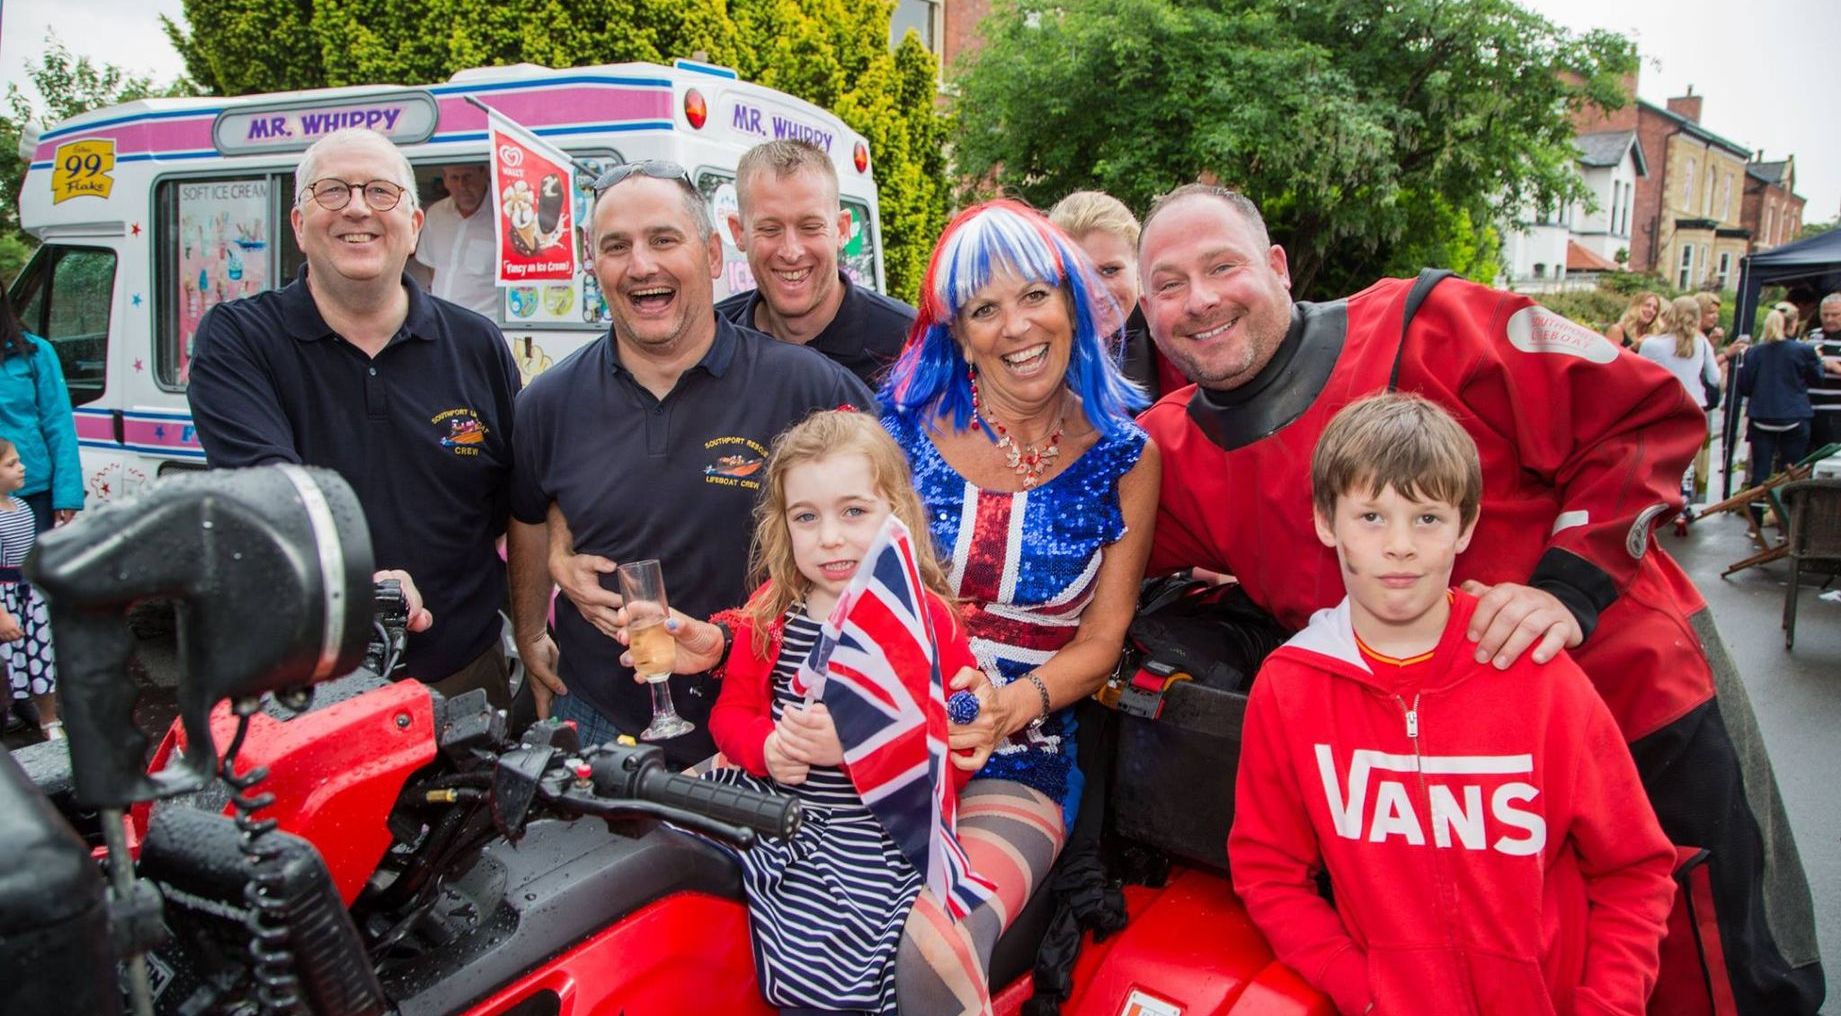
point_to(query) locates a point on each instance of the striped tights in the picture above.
(1012, 834)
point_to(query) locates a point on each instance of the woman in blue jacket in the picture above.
(1775, 375)
(35, 416)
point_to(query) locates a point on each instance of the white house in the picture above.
(1569, 248)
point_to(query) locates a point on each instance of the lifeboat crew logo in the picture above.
(734, 462)
(461, 431)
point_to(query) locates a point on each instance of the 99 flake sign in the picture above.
(81, 169)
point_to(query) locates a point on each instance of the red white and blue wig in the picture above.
(931, 381)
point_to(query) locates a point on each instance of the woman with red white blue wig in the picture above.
(1041, 493)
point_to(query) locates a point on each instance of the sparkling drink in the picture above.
(654, 651)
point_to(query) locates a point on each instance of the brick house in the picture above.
(1773, 211)
(1689, 216)
(947, 27)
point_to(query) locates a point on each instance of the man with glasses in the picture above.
(792, 227)
(648, 443)
(353, 367)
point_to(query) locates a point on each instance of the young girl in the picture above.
(25, 625)
(827, 907)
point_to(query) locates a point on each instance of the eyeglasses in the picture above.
(379, 195)
(657, 169)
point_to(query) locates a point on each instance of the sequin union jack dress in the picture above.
(1026, 563)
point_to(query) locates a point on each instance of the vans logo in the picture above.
(1456, 806)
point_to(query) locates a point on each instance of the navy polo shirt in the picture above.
(674, 479)
(865, 337)
(422, 433)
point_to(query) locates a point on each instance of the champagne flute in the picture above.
(655, 652)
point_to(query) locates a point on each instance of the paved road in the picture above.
(1796, 695)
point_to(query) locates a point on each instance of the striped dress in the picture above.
(827, 907)
(29, 662)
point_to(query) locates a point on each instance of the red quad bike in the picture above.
(371, 847)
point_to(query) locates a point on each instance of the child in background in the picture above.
(25, 624)
(828, 906)
(1488, 844)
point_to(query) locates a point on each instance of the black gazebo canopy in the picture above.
(1815, 262)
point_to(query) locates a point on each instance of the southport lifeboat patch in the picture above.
(461, 431)
(734, 462)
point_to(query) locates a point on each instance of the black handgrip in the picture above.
(766, 814)
(108, 753)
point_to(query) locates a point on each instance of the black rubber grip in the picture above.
(766, 814)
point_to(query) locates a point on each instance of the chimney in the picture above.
(1686, 106)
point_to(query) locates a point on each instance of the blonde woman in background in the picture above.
(1688, 355)
(1641, 320)
(1107, 233)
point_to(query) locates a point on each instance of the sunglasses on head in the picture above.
(657, 169)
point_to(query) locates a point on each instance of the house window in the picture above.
(1685, 277)
(922, 16)
(1540, 270)
(1706, 259)
(1725, 267)
(1726, 200)
(1687, 187)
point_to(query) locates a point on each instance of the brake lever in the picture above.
(587, 803)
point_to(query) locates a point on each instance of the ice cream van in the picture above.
(152, 212)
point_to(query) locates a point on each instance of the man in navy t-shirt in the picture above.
(648, 443)
(791, 226)
(353, 367)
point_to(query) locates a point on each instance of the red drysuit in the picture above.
(1582, 448)
(1493, 854)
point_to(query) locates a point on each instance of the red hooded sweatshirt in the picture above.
(1489, 846)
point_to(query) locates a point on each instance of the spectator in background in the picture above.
(1825, 397)
(1641, 319)
(1687, 353)
(1777, 376)
(458, 243)
(1107, 231)
(35, 416)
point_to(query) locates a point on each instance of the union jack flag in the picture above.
(877, 668)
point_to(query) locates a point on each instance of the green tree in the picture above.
(833, 53)
(1342, 118)
(67, 85)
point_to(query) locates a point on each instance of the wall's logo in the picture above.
(511, 155)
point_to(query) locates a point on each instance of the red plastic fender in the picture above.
(335, 772)
(686, 953)
(1189, 949)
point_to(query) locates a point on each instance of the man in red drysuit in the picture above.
(1582, 448)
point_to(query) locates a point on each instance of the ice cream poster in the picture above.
(531, 206)
(223, 250)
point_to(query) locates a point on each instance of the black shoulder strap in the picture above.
(1422, 288)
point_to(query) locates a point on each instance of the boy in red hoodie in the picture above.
(1487, 840)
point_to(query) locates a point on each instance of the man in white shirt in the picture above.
(458, 244)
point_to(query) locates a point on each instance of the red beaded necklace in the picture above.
(1029, 461)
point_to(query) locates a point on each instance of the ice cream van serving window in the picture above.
(217, 238)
